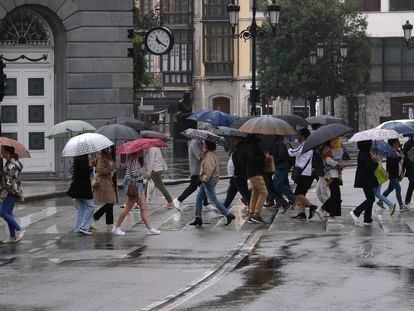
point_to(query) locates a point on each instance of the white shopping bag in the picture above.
(150, 190)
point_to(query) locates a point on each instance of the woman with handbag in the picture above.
(134, 177)
(209, 176)
(396, 173)
(104, 189)
(11, 192)
(81, 190)
(155, 166)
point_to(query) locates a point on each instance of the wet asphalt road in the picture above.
(284, 265)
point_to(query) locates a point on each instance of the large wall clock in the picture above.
(159, 40)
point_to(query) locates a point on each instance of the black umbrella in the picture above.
(325, 120)
(154, 134)
(240, 122)
(294, 121)
(118, 132)
(131, 122)
(228, 131)
(325, 134)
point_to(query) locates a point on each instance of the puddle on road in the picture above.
(405, 274)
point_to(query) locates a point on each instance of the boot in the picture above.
(230, 218)
(196, 222)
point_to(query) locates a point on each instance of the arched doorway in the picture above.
(27, 110)
(221, 103)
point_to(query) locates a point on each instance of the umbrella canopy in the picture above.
(400, 128)
(203, 135)
(214, 117)
(118, 132)
(384, 149)
(325, 134)
(240, 122)
(69, 128)
(131, 122)
(228, 131)
(19, 149)
(85, 144)
(154, 134)
(140, 144)
(325, 120)
(375, 134)
(294, 121)
(267, 125)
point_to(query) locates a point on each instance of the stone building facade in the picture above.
(86, 73)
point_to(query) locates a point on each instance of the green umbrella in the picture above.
(69, 128)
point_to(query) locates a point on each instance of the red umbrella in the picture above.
(140, 144)
(19, 149)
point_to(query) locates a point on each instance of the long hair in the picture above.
(11, 150)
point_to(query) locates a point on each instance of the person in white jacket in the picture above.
(155, 166)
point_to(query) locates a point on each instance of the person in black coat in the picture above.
(81, 190)
(409, 169)
(365, 178)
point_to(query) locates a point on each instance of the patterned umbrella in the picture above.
(140, 144)
(69, 128)
(375, 134)
(19, 149)
(214, 117)
(267, 125)
(203, 135)
(85, 144)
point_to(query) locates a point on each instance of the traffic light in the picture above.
(130, 52)
(3, 78)
(130, 33)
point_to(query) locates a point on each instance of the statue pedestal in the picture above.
(180, 146)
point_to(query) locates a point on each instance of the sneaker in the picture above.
(301, 216)
(331, 220)
(9, 241)
(257, 219)
(368, 223)
(20, 235)
(152, 231)
(93, 226)
(109, 228)
(86, 231)
(285, 208)
(403, 207)
(354, 217)
(312, 211)
(321, 214)
(392, 210)
(118, 231)
(177, 204)
(208, 208)
(380, 204)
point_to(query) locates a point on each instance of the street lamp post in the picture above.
(253, 32)
(333, 59)
(407, 30)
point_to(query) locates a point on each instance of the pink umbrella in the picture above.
(140, 144)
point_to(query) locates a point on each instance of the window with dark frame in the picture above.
(217, 38)
(401, 5)
(370, 5)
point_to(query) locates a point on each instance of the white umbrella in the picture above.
(375, 134)
(85, 144)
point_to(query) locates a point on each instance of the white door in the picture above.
(28, 112)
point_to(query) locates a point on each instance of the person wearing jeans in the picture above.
(81, 190)
(11, 191)
(365, 178)
(209, 176)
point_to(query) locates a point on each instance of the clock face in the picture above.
(159, 40)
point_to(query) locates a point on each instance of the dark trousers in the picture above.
(108, 210)
(194, 183)
(236, 184)
(410, 190)
(268, 177)
(333, 204)
(282, 187)
(366, 206)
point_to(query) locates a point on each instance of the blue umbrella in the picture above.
(384, 149)
(399, 127)
(214, 117)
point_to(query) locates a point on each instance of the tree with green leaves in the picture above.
(285, 69)
(141, 77)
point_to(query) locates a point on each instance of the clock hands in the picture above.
(159, 42)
